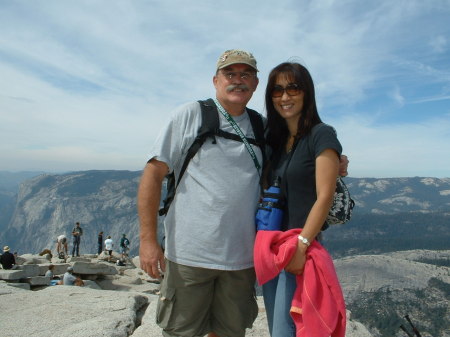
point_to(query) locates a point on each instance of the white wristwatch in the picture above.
(304, 240)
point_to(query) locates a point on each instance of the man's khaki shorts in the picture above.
(195, 301)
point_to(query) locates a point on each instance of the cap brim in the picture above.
(231, 63)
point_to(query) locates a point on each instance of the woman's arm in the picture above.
(327, 166)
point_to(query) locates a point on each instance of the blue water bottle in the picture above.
(270, 210)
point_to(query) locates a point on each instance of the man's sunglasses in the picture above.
(291, 89)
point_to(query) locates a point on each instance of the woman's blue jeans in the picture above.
(278, 294)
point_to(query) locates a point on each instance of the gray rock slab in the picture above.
(78, 311)
(91, 284)
(8, 288)
(78, 259)
(11, 275)
(127, 284)
(20, 260)
(94, 268)
(148, 325)
(37, 281)
(33, 259)
(59, 268)
(30, 270)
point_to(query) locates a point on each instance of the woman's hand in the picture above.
(297, 263)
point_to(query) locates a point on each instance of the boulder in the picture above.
(30, 270)
(93, 268)
(78, 311)
(11, 274)
(20, 260)
(33, 259)
(8, 287)
(37, 281)
(59, 269)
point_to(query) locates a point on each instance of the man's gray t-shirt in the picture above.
(210, 223)
(68, 279)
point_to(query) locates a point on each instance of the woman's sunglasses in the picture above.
(291, 89)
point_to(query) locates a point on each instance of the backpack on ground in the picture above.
(210, 128)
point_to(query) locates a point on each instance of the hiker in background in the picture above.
(109, 244)
(49, 272)
(124, 246)
(61, 246)
(100, 243)
(77, 232)
(7, 259)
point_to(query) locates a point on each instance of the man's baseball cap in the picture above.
(235, 56)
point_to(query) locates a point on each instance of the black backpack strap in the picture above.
(258, 130)
(208, 129)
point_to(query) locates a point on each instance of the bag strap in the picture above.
(283, 186)
(238, 130)
(210, 128)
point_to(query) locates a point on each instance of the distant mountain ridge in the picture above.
(398, 195)
(49, 204)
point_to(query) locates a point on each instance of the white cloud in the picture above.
(90, 84)
(439, 43)
(399, 150)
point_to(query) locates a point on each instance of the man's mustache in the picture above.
(237, 86)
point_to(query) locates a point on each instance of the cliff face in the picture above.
(49, 205)
(387, 214)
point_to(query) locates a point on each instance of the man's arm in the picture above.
(149, 196)
(343, 165)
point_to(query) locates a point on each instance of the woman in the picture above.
(306, 155)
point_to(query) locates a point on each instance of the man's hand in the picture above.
(149, 194)
(343, 166)
(151, 258)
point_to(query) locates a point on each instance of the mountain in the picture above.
(9, 185)
(399, 195)
(49, 205)
(381, 289)
(390, 214)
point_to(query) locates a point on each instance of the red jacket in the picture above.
(318, 307)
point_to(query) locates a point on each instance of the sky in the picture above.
(89, 84)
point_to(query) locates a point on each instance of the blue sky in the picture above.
(89, 84)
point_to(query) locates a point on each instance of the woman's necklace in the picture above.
(290, 143)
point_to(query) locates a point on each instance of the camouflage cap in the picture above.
(235, 56)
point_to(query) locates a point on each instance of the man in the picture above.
(77, 232)
(61, 246)
(71, 280)
(210, 225)
(7, 259)
(124, 246)
(109, 244)
(208, 285)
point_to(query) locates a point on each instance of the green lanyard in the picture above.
(240, 134)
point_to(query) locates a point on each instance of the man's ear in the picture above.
(256, 84)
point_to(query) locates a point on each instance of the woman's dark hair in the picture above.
(278, 131)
